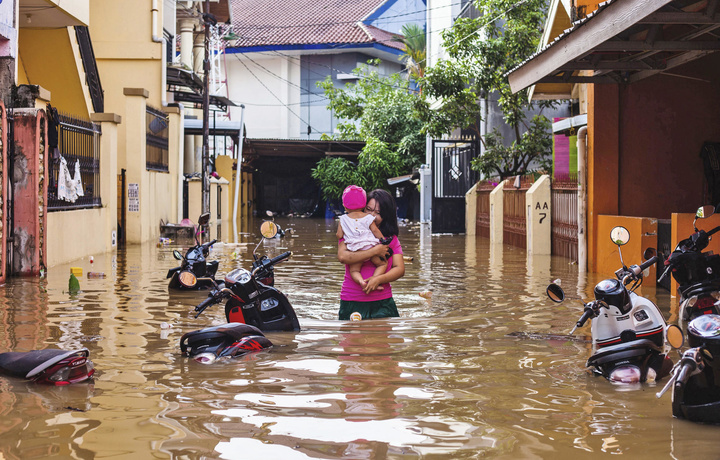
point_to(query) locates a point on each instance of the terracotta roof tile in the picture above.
(305, 22)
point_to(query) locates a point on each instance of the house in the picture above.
(97, 122)
(653, 87)
(280, 51)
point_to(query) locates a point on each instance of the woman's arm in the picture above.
(396, 272)
(349, 257)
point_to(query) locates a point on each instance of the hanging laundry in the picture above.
(78, 180)
(67, 185)
(62, 192)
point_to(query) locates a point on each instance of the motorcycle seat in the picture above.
(30, 363)
(622, 351)
(212, 335)
(706, 287)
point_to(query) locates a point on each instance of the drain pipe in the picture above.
(582, 199)
(155, 12)
(238, 173)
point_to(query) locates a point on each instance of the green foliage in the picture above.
(413, 37)
(481, 51)
(380, 111)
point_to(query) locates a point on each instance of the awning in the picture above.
(194, 126)
(301, 148)
(624, 41)
(187, 86)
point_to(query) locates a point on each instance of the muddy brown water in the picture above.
(448, 379)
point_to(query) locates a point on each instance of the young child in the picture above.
(360, 232)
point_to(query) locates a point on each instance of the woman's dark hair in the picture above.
(388, 211)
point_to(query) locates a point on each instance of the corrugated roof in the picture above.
(306, 22)
(576, 25)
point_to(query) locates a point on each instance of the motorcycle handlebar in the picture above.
(204, 304)
(280, 258)
(649, 262)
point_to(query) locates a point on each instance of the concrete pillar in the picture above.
(109, 172)
(176, 166)
(186, 43)
(496, 214)
(538, 201)
(198, 54)
(189, 155)
(138, 210)
(471, 210)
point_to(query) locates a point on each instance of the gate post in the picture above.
(3, 190)
(29, 203)
(471, 210)
(539, 229)
(496, 214)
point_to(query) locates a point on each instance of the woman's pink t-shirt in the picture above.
(351, 291)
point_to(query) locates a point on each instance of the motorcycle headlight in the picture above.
(626, 374)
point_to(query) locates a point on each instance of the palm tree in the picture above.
(415, 55)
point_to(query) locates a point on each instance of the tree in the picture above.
(413, 38)
(481, 52)
(379, 111)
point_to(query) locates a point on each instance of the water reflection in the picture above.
(444, 380)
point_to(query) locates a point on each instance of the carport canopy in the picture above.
(625, 41)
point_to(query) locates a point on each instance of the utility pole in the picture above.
(208, 20)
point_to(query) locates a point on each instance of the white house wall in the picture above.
(270, 90)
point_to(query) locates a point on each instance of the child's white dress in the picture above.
(357, 233)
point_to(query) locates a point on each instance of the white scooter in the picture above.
(628, 331)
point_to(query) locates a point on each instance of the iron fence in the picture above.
(565, 216)
(156, 140)
(78, 144)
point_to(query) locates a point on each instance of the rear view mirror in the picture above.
(204, 219)
(705, 211)
(620, 235)
(268, 229)
(674, 336)
(177, 255)
(555, 293)
(187, 279)
(649, 253)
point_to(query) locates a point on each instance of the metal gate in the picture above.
(565, 217)
(482, 224)
(514, 212)
(452, 178)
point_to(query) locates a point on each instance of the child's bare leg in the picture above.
(380, 268)
(356, 275)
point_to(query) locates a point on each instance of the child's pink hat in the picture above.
(354, 197)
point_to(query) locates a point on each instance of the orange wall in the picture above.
(664, 122)
(643, 235)
(644, 142)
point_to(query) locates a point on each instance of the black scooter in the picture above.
(227, 341)
(251, 295)
(51, 366)
(697, 273)
(194, 272)
(696, 377)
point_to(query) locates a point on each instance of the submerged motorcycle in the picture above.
(628, 331)
(696, 377)
(697, 273)
(251, 295)
(194, 272)
(227, 341)
(52, 366)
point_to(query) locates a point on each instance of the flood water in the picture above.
(445, 380)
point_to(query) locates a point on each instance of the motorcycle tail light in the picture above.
(205, 358)
(705, 303)
(75, 371)
(625, 374)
